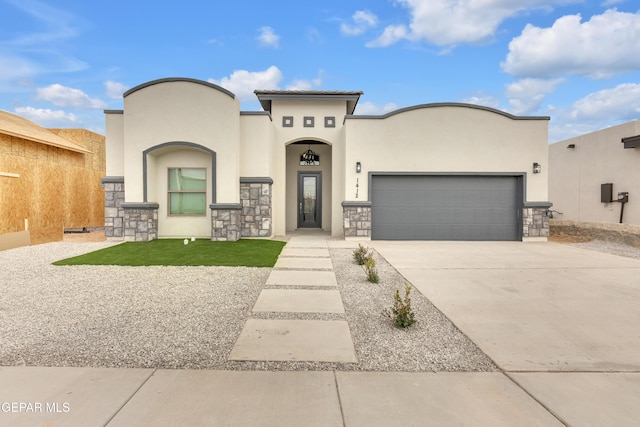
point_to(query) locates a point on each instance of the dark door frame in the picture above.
(318, 222)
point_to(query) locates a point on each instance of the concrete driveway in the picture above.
(532, 307)
(562, 323)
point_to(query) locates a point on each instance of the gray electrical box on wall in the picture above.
(606, 193)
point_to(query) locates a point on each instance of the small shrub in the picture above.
(361, 254)
(370, 269)
(401, 313)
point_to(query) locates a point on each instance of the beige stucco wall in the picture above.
(285, 158)
(256, 137)
(598, 158)
(114, 129)
(187, 112)
(451, 139)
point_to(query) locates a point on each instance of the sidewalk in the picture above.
(603, 396)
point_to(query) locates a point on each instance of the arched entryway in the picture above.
(308, 185)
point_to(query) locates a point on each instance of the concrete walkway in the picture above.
(304, 274)
(561, 323)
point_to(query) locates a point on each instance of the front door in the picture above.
(309, 199)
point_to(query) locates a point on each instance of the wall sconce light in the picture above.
(571, 146)
(358, 167)
(537, 168)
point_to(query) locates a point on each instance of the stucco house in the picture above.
(592, 177)
(183, 160)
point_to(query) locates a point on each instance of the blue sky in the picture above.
(63, 62)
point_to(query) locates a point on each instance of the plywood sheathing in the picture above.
(56, 189)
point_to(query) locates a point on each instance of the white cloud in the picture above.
(369, 108)
(620, 103)
(605, 45)
(115, 89)
(452, 22)
(62, 96)
(242, 82)
(362, 21)
(314, 35)
(302, 84)
(392, 34)
(526, 95)
(40, 46)
(46, 117)
(268, 37)
(486, 101)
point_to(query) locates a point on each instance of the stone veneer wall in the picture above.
(535, 222)
(113, 200)
(256, 215)
(140, 222)
(357, 219)
(225, 222)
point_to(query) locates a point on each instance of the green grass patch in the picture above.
(243, 253)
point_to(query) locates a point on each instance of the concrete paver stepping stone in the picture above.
(305, 252)
(299, 301)
(230, 398)
(304, 263)
(295, 340)
(302, 278)
(315, 242)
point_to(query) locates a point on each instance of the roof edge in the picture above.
(179, 79)
(448, 104)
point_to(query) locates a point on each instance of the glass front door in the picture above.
(309, 199)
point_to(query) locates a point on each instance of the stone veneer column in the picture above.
(256, 215)
(356, 219)
(140, 221)
(113, 200)
(535, 221)
(225, 222)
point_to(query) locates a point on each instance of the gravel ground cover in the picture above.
(608, 247)
(190, 317)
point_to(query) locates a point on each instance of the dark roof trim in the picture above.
(449, 104)
(631, 142)
(114, 111)
(178, 79)
(256, 180)
(351, 97)
(256, 113)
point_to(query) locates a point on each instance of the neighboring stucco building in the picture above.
(578, 168)
(183, 160)
(49, 181)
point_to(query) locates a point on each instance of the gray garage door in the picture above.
(428, 207)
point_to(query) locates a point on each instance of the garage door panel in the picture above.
(426, 207)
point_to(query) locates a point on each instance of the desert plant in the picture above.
(370, 269)
(401, 313)
(361, 254)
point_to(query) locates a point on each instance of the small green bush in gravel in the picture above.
(361, 254)
(370, 269)
(401, 313)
